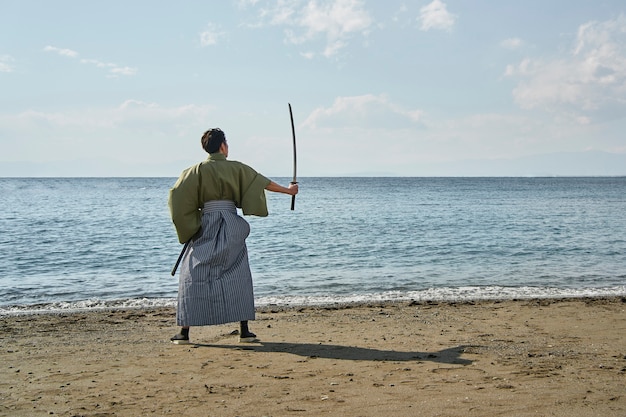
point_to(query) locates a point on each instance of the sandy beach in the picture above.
(485, 358)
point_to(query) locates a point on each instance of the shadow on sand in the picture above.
(310, 350)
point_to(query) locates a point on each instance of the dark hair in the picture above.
(212, 140)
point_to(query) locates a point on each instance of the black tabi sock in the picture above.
(243, 326)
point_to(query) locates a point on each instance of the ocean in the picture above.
(91, 243)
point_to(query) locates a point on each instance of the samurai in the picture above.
(215, 281)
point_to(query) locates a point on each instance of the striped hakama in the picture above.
(215, 285)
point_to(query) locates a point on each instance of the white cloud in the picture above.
(143, 130)
(113, 69)
(6, 63)
(123, 71)
(512, 43)
(211, 35)
(126, 113)
(61, 51)
(243, 4)
(372, 131)
(589, 82)
(334, 22)
(366, 111)
(132, 103)
(436, 16)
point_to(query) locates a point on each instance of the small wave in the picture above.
(448, 294)
(456, 294)
(87, 305)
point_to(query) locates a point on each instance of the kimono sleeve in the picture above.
(184, 204)
(253, 200)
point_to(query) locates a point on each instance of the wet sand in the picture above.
(485, 358)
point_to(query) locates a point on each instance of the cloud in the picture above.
(436, 16)
(6, 63)
(512, 43)
(143, 130)
(371, 131)
(242, 4)
(90, 118)
(364, 112)
(123, 71)
(61, 51)
(335, 22)
(113, 69)
(589, 82)
(211, 35)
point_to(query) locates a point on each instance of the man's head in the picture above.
(212, 140)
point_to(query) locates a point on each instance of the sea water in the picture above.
(70, 243)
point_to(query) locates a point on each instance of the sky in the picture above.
(398, 88)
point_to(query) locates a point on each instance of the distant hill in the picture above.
(591, 163)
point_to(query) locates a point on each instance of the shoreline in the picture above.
(442, 295)
(560, 357)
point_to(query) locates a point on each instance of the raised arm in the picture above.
(277, 188)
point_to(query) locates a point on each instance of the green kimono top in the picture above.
(215, 179)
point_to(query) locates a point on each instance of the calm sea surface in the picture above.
(68, 243)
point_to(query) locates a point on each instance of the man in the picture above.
(215, 284)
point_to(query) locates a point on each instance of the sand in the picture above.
(489, 358)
